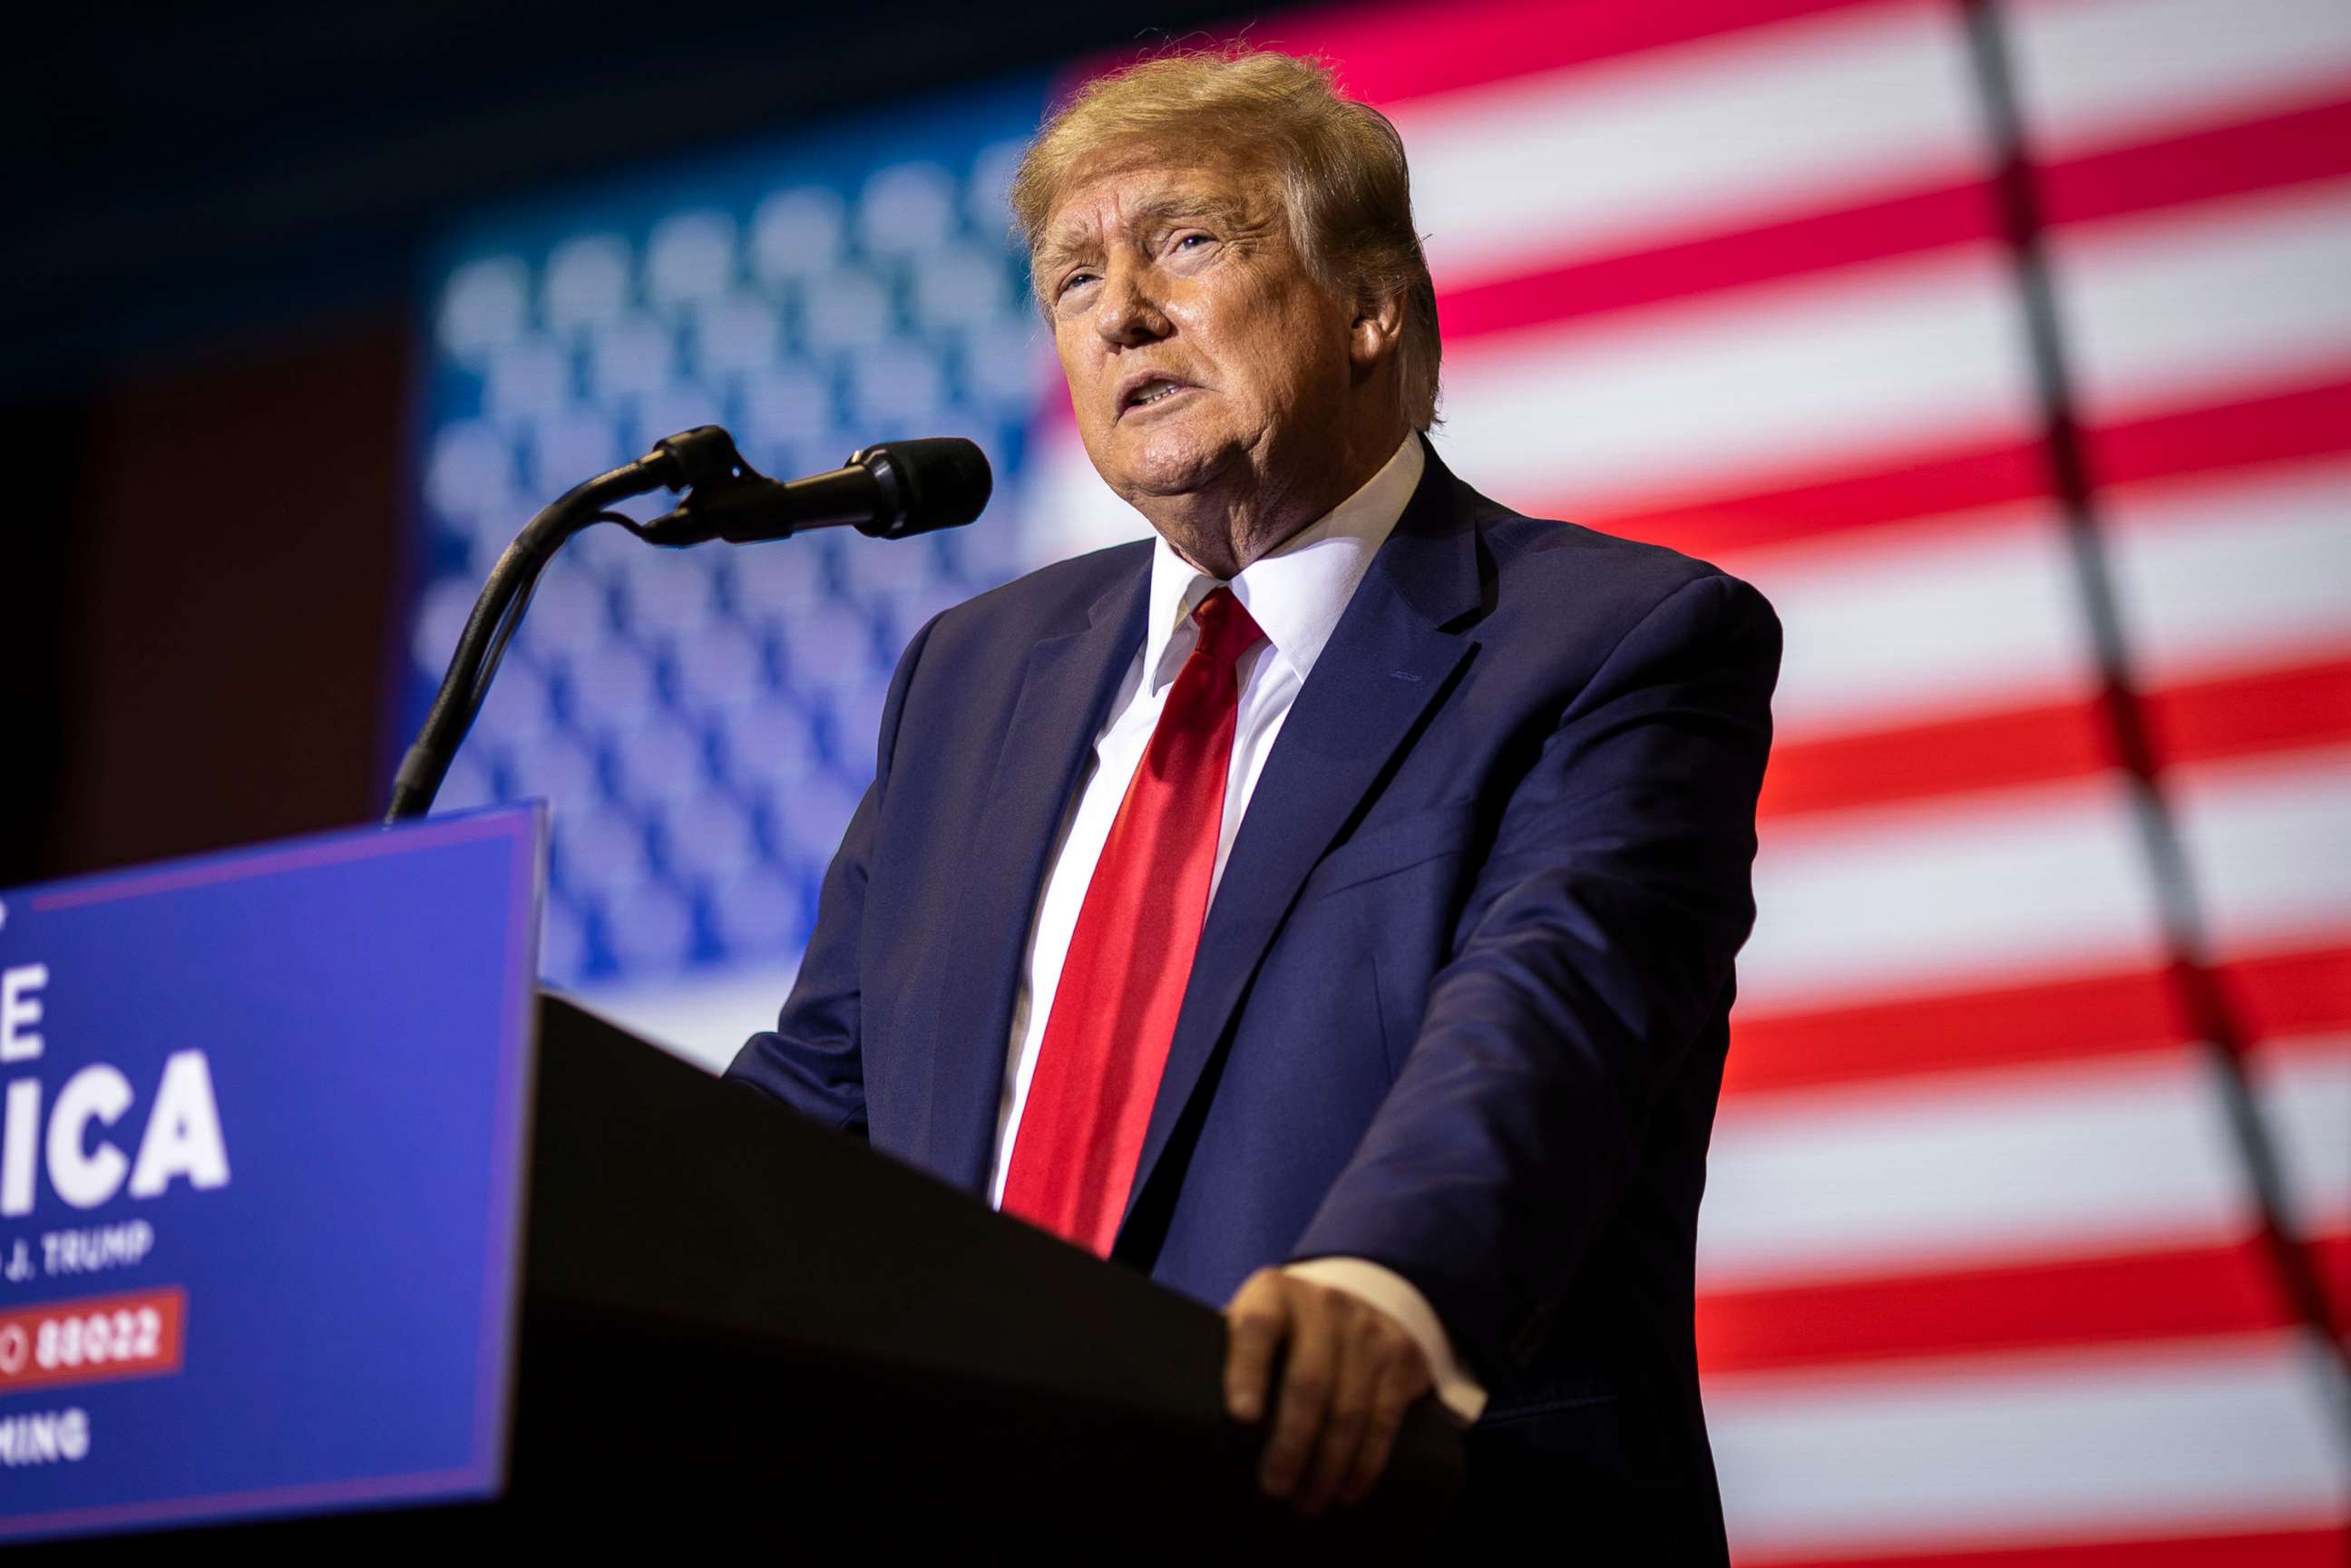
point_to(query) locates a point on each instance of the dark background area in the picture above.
(205, 347)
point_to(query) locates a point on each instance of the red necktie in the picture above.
(1105, 1045)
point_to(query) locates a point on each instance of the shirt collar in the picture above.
(1297, 592)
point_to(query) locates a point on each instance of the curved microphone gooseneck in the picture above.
(890, 491)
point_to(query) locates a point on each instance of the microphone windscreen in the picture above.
(941, 482)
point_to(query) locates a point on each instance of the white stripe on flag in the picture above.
(2269, 843)
(2004, 1166)
(2220, 576)
(1905, 626)
(2192, 305)
(1824, 371)
(2092, 73)
(1879, 902)
(1980, 610)
(2226, 1434)
(1704, 137)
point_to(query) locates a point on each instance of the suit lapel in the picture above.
(1384, 667)
(1066, 689)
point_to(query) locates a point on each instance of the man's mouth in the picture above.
(1149, 393)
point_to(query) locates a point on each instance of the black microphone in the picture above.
(885, 492)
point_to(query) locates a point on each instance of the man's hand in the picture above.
(1352, 1372)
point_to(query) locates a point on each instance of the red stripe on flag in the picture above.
(1934, 482)
(2283, 427)
(2249, 714)
(2291, 424)
(2292, 149)
(1903, 226)
(2230, 161)
(2080, 1016)
(1886, 767)
(2281, 995)
(1388, 53)
(2196, 721)
(2114, 1013)
(2171, 1293)
(2317, 1546)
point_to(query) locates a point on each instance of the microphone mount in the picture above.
(716, 480)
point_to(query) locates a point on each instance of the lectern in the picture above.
(434, 1261)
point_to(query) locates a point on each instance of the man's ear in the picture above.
(1376, 330)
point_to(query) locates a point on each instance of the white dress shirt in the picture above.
(1296, 595)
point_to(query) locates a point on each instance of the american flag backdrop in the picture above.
(2007, 348)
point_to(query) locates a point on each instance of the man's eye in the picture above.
(1185, 242)
(1073, 280)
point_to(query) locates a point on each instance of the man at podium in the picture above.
(1329, 906)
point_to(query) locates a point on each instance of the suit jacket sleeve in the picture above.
(810, 1060)
(1595, 949)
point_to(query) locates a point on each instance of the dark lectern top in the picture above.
(814, 1344)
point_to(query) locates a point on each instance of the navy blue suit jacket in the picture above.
(1460, 1005)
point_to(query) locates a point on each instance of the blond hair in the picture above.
(1339, 165)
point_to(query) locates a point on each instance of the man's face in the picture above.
(1201, 354)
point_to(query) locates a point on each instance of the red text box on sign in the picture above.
(134, 1335)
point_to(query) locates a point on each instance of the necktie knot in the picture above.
(1225, 629)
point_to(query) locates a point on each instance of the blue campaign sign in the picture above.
(261, 1138)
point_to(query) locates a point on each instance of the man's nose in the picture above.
(1127, 311)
